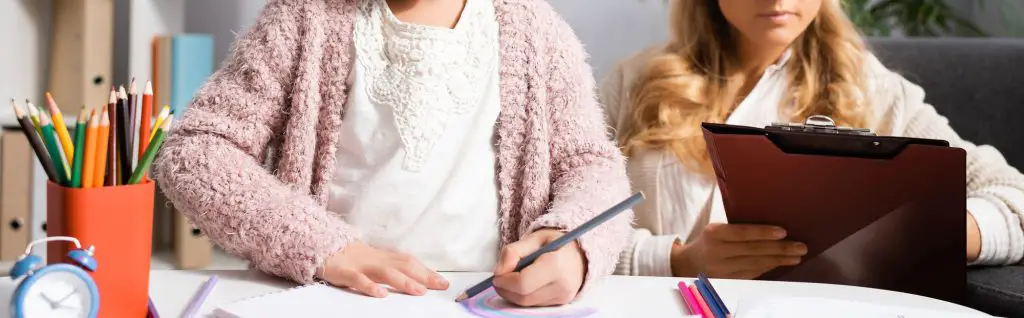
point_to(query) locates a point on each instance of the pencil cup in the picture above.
(118, 221)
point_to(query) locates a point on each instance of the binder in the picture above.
(191, 63)
(191, 249)
(874, 211)
(15, 194)
(82, 44)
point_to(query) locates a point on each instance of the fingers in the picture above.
(548, 295)
(531, 278)
(512, 253)
(764, 248)
(359, 282)
(744, 232)
(415, 270)
(397, 280)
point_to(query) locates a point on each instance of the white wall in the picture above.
(24, 25)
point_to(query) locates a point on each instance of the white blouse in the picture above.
(415, 164)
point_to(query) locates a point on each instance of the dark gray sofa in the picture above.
(978, 84)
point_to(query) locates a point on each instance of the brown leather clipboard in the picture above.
(879, 212)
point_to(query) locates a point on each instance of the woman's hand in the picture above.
(364, 268)
(553, 279)
(738, 251)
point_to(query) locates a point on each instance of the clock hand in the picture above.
(52, 303)
(66, 297)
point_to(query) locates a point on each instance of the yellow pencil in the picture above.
(159, 120)
(33, 113)
(62, 130)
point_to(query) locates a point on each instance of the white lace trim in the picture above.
(427, 75)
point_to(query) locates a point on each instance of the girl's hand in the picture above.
(364, 268)
(554, 279)
(738, 251)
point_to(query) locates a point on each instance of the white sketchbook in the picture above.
(321, 300)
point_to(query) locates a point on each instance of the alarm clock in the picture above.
(58, 290)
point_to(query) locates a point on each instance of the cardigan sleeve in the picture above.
(995, 190)
(645, 254)
(210, 165)
(588, 172)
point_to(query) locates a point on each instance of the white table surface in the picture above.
(171, 291)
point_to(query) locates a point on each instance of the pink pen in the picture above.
(690, 300)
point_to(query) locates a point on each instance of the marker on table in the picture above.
(199, 298)
(558, 243)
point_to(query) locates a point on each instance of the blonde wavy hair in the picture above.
(688, 84)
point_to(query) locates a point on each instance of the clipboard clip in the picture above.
(819, 124)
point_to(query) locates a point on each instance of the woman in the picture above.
(409, 137)
(748, 62)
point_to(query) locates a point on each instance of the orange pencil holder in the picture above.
(118, 221)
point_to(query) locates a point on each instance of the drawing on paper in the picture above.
(489, 305)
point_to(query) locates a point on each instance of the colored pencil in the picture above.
(34, 113)
(689, 301)
(199, 298)
(151, 150)
(89, 163)
(123, 166)
(111, 162)
(557, 243)
(714, 294)
(705, 310)
(709, 298)
(76, 167)
(102, 139)
(53, 146)
(62, 130)
(145, 120)
(164, 113)
(33, 140)
(130, 117)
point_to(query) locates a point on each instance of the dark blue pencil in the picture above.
(709, 298)
(718, 298)
(559, 243)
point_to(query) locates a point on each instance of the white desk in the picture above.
(657, 296)
(171, 291)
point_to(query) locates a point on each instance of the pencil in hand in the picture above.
(154, 146)
(76, 166)
(37, 145)
(89, 162)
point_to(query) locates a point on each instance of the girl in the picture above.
(409, 137)
(748, 62)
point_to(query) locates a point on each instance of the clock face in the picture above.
(58, 294)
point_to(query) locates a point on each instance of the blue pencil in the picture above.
(709, 298)
(718, 298)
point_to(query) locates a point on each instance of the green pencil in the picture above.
(151, 150)
(76, 165)
(54, 149)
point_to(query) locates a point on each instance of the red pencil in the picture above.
(111, 178)
(145, 120)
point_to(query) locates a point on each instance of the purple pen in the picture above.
(199, 298)
(152, 310)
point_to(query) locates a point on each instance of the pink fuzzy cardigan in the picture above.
(284, 88)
